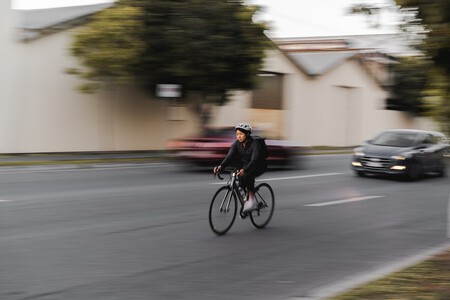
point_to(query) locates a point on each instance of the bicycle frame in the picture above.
(233, 183)
(226, 199)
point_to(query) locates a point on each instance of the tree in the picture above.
(428, 22)
(435, 15)
(409, 83)
(209, 47)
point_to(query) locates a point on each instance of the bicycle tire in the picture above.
(266, 204)
(222, 210)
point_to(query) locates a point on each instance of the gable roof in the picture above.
(391, 44)
(33, 23)
(318, 63)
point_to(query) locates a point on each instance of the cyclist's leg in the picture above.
(247, 181)
(258, 171)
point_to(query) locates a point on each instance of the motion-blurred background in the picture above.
(133, 75)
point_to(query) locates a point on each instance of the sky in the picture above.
(287, 18)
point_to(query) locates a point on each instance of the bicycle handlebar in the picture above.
(228, 169)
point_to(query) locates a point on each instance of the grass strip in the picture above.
(429, 280)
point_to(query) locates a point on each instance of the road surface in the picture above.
(141, 232)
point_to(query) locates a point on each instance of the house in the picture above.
(332, 91)
(318, 98)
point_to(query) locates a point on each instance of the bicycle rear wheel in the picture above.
(222, 211)
(266, 203)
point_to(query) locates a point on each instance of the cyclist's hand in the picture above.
(217, 169)
(241, 172)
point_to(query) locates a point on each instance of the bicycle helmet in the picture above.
(244, 127)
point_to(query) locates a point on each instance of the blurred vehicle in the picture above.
(406, 152)
(210, 148)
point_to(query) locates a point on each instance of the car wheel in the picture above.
(360, 174)
(442, 172)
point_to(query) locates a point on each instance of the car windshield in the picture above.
(396, 139)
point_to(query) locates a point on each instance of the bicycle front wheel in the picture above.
(266, 204)
(222, 211)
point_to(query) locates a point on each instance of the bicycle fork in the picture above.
(226, 202)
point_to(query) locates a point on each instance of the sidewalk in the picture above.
(81, 158)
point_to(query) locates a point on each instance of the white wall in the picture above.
(7, 107)
(235, 111)
(46, 113)
(345, 106)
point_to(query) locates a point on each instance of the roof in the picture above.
(34, 22)
(318, 63)
(318, 55)
(385, 43)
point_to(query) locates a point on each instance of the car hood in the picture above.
(384, 151)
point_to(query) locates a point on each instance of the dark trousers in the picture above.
(247, 181)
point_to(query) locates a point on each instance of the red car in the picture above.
(211, 148)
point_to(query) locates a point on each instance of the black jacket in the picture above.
(248, 154)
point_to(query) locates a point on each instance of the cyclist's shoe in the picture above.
(250, 205)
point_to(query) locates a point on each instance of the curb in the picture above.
(341, 286)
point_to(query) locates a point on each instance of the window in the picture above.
(429, 139)
(269, 91)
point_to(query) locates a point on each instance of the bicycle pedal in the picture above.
(243, 215)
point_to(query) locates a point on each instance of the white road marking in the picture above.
(4, 200)
(345, 201)
(290, 177)
(299, 177)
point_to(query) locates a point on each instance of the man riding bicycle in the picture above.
(252, 163)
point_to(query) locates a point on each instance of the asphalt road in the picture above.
(141, 232)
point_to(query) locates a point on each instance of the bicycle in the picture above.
(223, 208)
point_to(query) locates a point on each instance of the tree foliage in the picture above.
(210, 47)
(435, 16)
(437, 98)
(419, 83)
(409, 84)
(108, 48)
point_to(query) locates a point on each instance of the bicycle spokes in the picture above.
(226, 202)
(222, 211)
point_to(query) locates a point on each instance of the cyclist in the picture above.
(251, 164)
